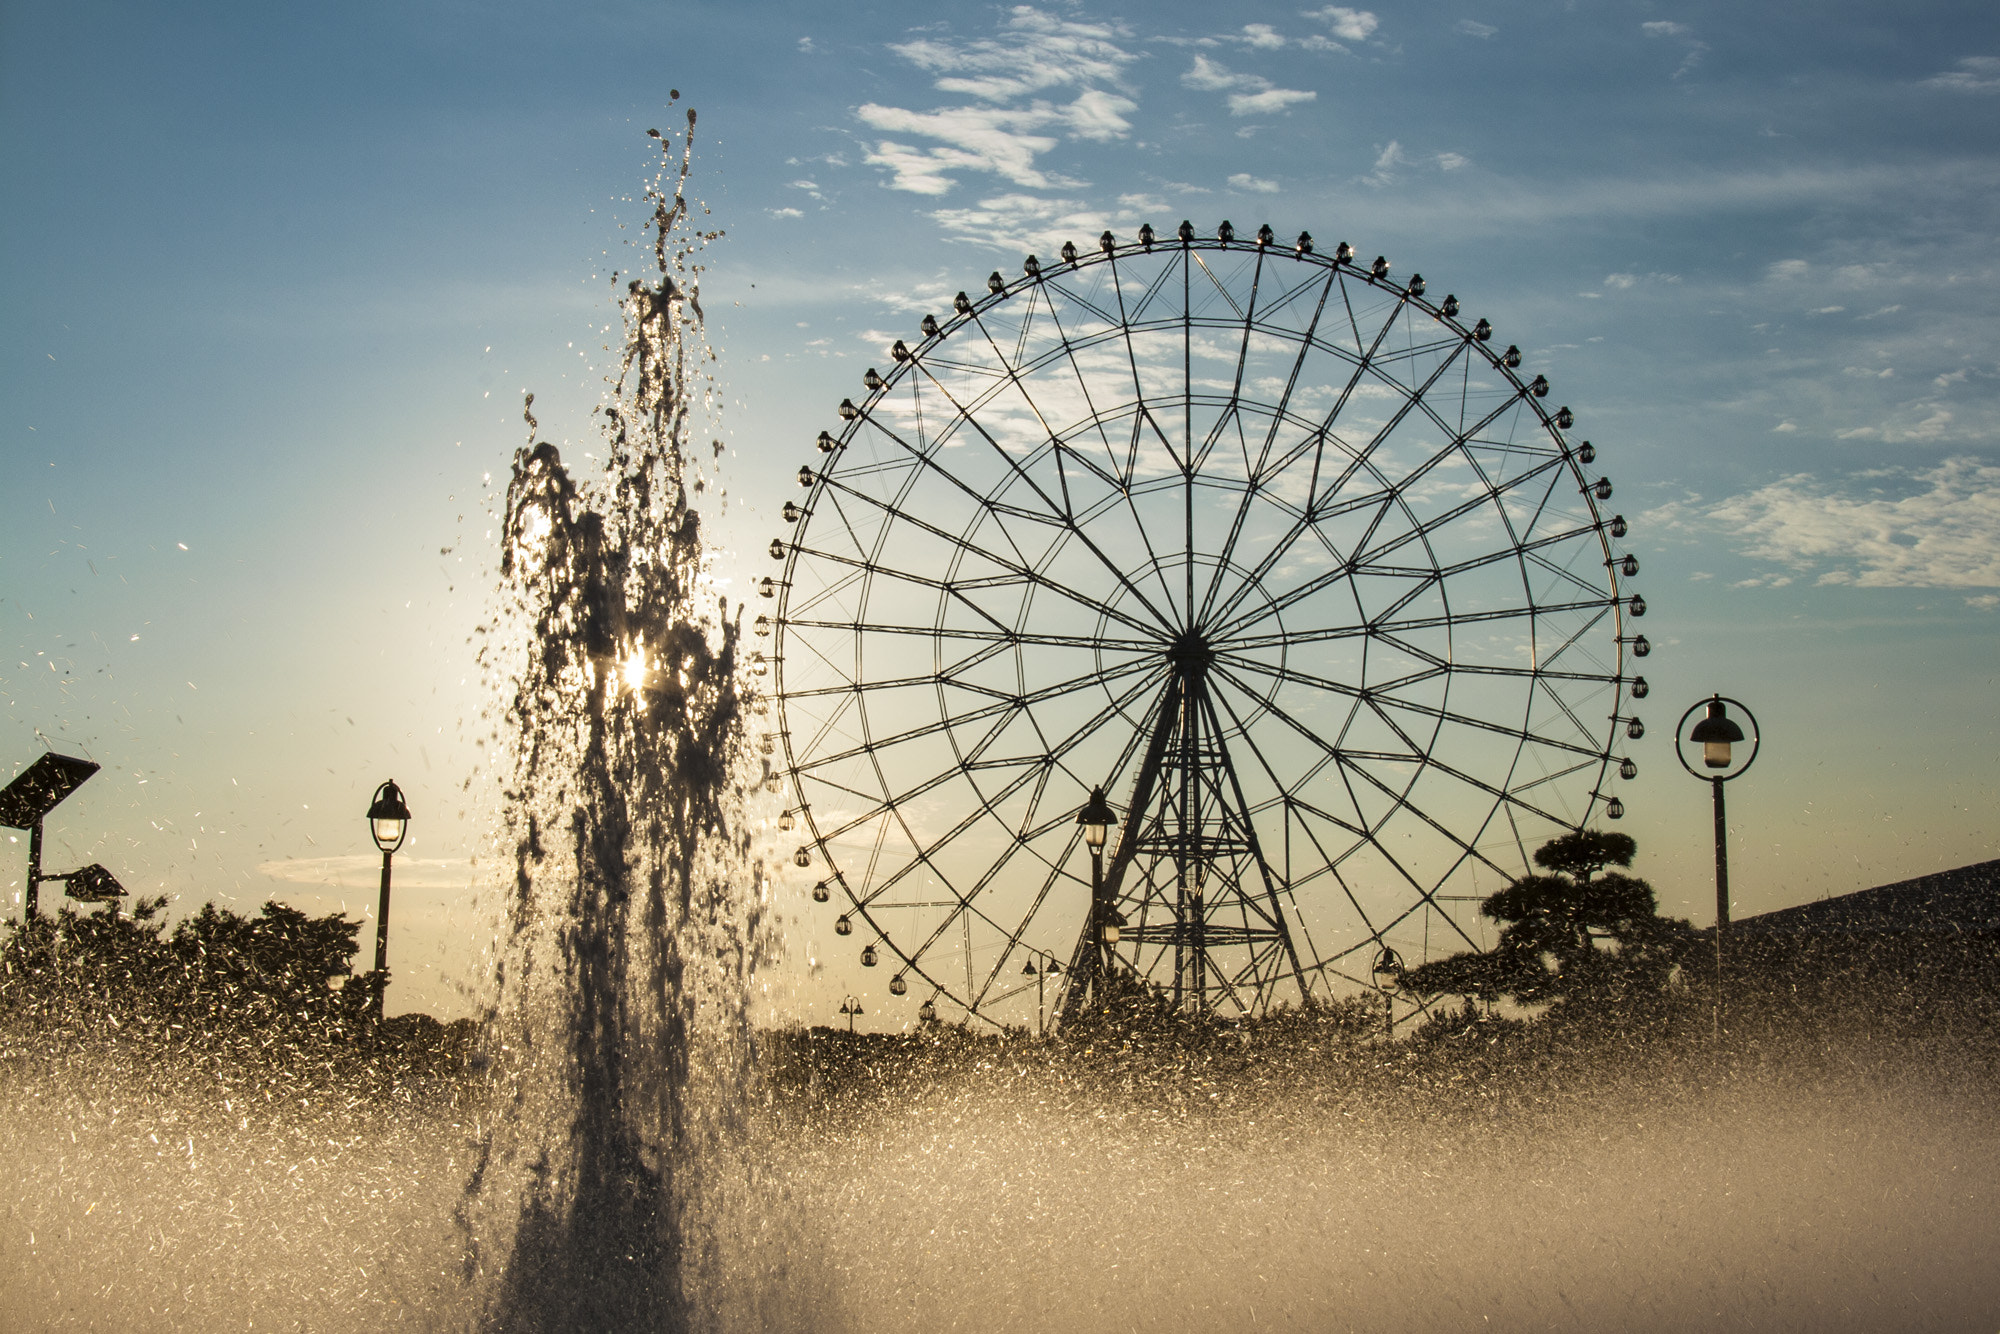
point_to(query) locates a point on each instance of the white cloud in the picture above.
(1026, 222)
(1243, 180)
(806, 45)
(1033, 53)
(1984, 601)
(1787, 269)
(1827, 310)
(1386, 162)
(1937, 527)
(993, 139)
(1784, 428)
(364, 871)
(1452, 161)
(1249, 94)
(1975, 74)
(1620, 280)
(1695, 49)
(784, 213)
(1261, 36)
(1474, 28)
(1099, 116)
(1350, 25)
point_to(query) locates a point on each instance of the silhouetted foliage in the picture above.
(1578, 933)
(218, 978)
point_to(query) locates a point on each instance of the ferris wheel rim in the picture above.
(909, 361)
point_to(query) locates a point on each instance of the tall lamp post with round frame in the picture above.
(1718, 735)
(388, 822)
(1388, 976)
(1096, 819)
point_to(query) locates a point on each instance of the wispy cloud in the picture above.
(364, 871)
(1693, 49)
(1936, 527)
(1033, 53)
(1975, 74)
(1243, 180)
(1249, 94)
(1474, 28)
(998, 133)
(1350, 25)
(1386, 162)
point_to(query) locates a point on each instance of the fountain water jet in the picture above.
(622, 1033)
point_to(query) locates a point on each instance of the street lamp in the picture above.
(1388, 976)
(850, 1007)
(1050, 968)
(388, 822)
(1718, 734)
(1096, 819)
(35, 791)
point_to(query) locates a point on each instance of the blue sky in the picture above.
(275, 280)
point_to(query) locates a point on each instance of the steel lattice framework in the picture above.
(1286, 557)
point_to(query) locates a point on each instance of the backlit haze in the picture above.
(274, 286)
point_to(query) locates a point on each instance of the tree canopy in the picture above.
(1578, 933)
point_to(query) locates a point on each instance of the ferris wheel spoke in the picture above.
(1310, 520)
(927, 854)
(1377, 701)
(1109, 566)
(1399, 801)
(1002, 704)
(1256, 472)
(1023, 573)
(1384, 628)
(1023, 637)
(1576, 636)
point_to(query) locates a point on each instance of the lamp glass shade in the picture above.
(1715, 733)
(388, 817)
(1111, 933)
(1096, 818)
(389, 833)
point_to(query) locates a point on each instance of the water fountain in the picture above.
(622, 1036)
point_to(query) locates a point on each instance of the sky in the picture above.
(273, 281)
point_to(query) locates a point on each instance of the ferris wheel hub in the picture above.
(1190, 648)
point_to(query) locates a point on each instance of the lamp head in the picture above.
(388, 817)
(1715, 733)
(1388, 969)
(1096, 817)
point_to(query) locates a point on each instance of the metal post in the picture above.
(1098, 914)
(1721, 894)
(382, 938)
(1041, 1015)
(31, 901)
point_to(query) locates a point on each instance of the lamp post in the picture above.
(1096, 819)
(1049, 968)
(1388, 975)
(25, 802)
(388, 822)
(850, 1007)
(1718, 734)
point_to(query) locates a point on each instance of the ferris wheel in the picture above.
(1284, 561)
